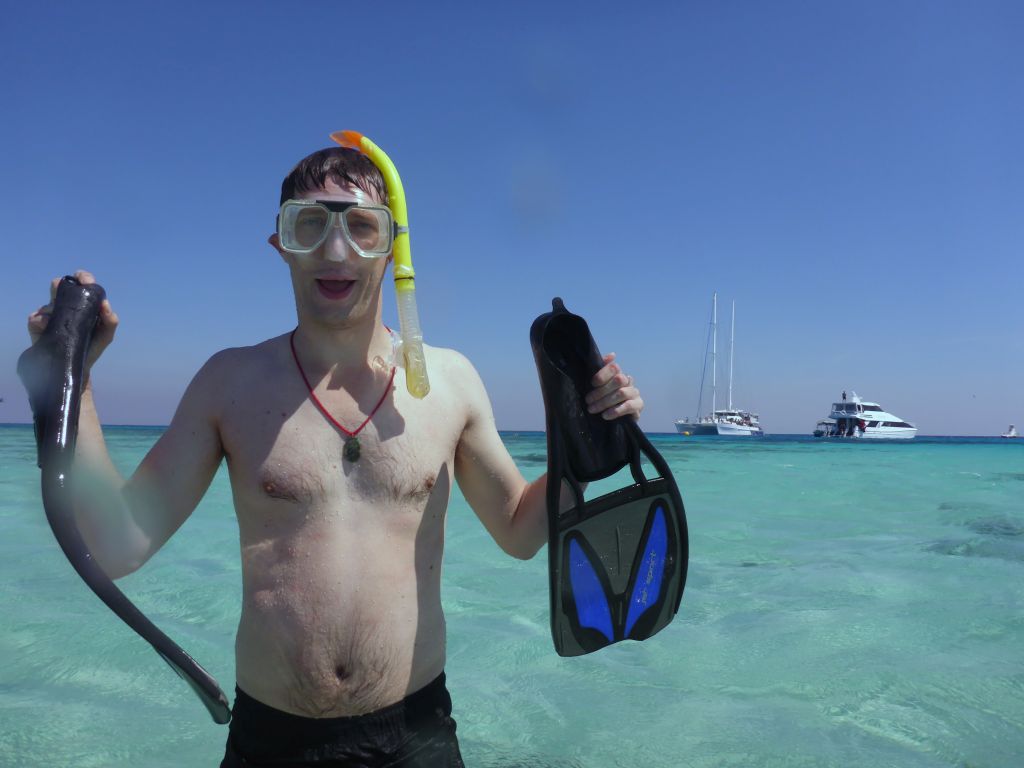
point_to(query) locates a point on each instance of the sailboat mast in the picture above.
(732, 339)
(714, 352)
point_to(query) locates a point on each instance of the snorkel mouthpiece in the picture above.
(405, 285)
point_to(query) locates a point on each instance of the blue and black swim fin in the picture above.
(617, 564)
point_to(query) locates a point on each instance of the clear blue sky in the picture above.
(852, 174)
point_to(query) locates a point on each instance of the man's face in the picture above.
(334, 285)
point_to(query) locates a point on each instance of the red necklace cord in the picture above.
(316, 401)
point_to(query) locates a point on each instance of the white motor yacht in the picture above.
(859, 418)
(1011, 432)
(730, 422)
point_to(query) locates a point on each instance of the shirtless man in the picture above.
(340, 650)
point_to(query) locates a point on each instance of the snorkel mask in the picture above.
(304, 225)
(405, 286)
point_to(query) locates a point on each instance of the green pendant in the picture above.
(351, 451)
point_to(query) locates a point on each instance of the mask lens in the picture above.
(369, 229)
(309, 226)
(302, 226)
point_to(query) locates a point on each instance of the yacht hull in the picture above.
(887, 434)
(739, 430)
(723, 430)
(870, 434)
(696, 430)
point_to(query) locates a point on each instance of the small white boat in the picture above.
(860, 419)
(1011, 432)
(825, 428)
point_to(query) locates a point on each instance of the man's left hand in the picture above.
(614, 393)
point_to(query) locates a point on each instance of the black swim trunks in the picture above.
(417, 732)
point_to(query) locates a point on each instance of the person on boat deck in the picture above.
(340, 650)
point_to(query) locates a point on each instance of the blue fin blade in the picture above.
(591, 601)
(647, 588)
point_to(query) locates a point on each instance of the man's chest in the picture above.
(287, 449)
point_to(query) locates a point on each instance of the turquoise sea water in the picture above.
(848, 604)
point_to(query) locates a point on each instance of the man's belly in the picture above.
(334, 626)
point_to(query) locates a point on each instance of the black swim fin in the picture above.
(52, 371)
(617, 564)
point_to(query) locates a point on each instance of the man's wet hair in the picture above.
(343, 166)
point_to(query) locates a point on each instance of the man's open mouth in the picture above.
(335, 289)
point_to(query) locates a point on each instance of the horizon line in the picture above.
(541, 432)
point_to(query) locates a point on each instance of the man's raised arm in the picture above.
(512, 510)
(124, 522)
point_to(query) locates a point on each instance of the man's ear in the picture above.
(275, 243)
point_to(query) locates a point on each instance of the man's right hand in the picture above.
(105, 330)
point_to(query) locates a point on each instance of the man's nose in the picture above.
(336, 247)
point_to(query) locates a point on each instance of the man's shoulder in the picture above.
(452, 372)
(237, 374)
(446, 357)
(250, 360)
(451, 364)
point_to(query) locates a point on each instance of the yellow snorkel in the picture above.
(405, 285)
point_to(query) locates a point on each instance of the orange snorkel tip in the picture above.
(350, 139)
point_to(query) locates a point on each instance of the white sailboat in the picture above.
(1011, 432)
(729, 421)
